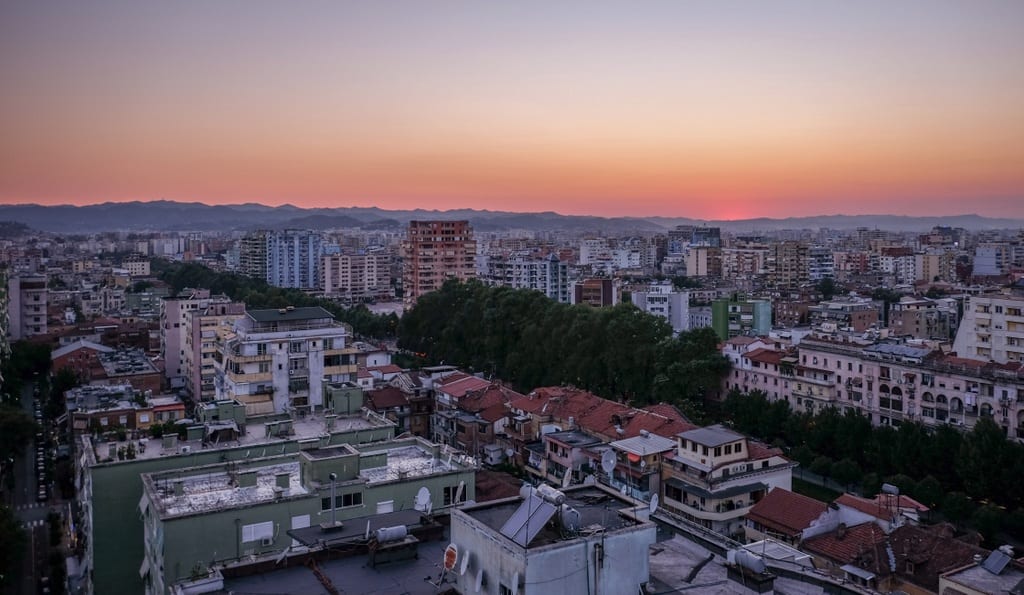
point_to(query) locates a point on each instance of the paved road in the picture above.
(27, 508)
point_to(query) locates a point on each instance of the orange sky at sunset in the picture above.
(703, 109)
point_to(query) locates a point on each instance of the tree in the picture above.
(822, 466)
(988, 520)
(846, 472)
(12, 546)
(827, 287)
(956, 507)
(929, 492)
(16, 430)
(870, 484)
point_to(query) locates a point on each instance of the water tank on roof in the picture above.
(388, 534)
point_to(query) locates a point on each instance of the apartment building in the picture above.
(548, 275)
(252, 255)
(434, 252)
(355, 277)
(174, 329)
(850, 314)
(28, 298)
(924, 318)
(277, 361)
(788, 264)
(596, 292)
(992, 328)
(732, 316)
(661, 299)
(717, 475)
(200, 357)
(294, 258)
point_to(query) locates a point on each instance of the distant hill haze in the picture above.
(165, 215)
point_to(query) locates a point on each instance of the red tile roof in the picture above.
(786, 512)
(844, 550)
(385, 398)
(766, 356)
(461, 384)
(864, 505)
(385, 369)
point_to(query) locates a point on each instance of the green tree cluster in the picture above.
(956, 472)
(529, 340)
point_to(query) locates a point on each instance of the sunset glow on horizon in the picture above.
(716, 110)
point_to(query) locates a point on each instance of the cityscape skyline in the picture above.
(700, 110)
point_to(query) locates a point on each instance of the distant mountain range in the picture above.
(166, 215)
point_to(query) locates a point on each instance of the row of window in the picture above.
(342, 501)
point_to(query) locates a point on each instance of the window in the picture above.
(503, 590)
(104, 421)
(718, 451)
(344, 500)
(739, 447)
(257, 531)
(144, 418)
(261, 349)
(728, 449)
(123, 420)
(264, 367)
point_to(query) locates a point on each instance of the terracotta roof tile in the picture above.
(786, 512)
(845, 550)
(385, 398)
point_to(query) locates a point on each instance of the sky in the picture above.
(721, 109)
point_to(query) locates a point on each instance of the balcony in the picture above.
(720, 512)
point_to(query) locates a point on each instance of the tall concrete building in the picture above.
(357, 276)
(26, 307)
(548, 275)
(294, 258)
(174, 329)
(435, 251)
(252, 255)
(596, 292)
(200, 351)
(278, 361)
(788, 264)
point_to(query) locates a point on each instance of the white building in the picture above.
(26, 309)
(277, 361)
(992, 328)
(549, 276)
(661, 299)
(357, 276)
(580, 540)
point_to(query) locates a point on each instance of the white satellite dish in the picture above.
(623, 489)
(643, 463)
(423, 502)
(567, 478)
(654, 503)
(608, 462)
(282, 555)
(465, 563)
(458, 492)
(510, 453)
(479, 579)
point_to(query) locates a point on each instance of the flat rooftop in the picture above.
(313, 426)
(126, 362)
(407, 461)
(711, 436)
(218, 489)
(573, 438)
(289, 314)
(976, 577)
(598, 511)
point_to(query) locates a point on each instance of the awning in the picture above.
(858, 572)
(144, 569)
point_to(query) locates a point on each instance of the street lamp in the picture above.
(334, 478)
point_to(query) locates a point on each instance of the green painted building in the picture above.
(201, 517)
(731, 317)
(110, 488)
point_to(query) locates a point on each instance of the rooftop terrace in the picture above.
(176, 495)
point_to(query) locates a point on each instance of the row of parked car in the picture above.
(43, 493)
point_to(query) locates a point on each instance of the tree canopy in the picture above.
(529, 340)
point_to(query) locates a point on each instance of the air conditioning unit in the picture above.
(267, 541)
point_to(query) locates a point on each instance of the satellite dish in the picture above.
(654, 504)
(623, 489)
(423, 500)
(458, 492)
(465, 563)
(510, 453)
(515, 584)
(451, 554)
(479, 580)
(567, 478)
(608, 462)
(282, 555)
(643, 463)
